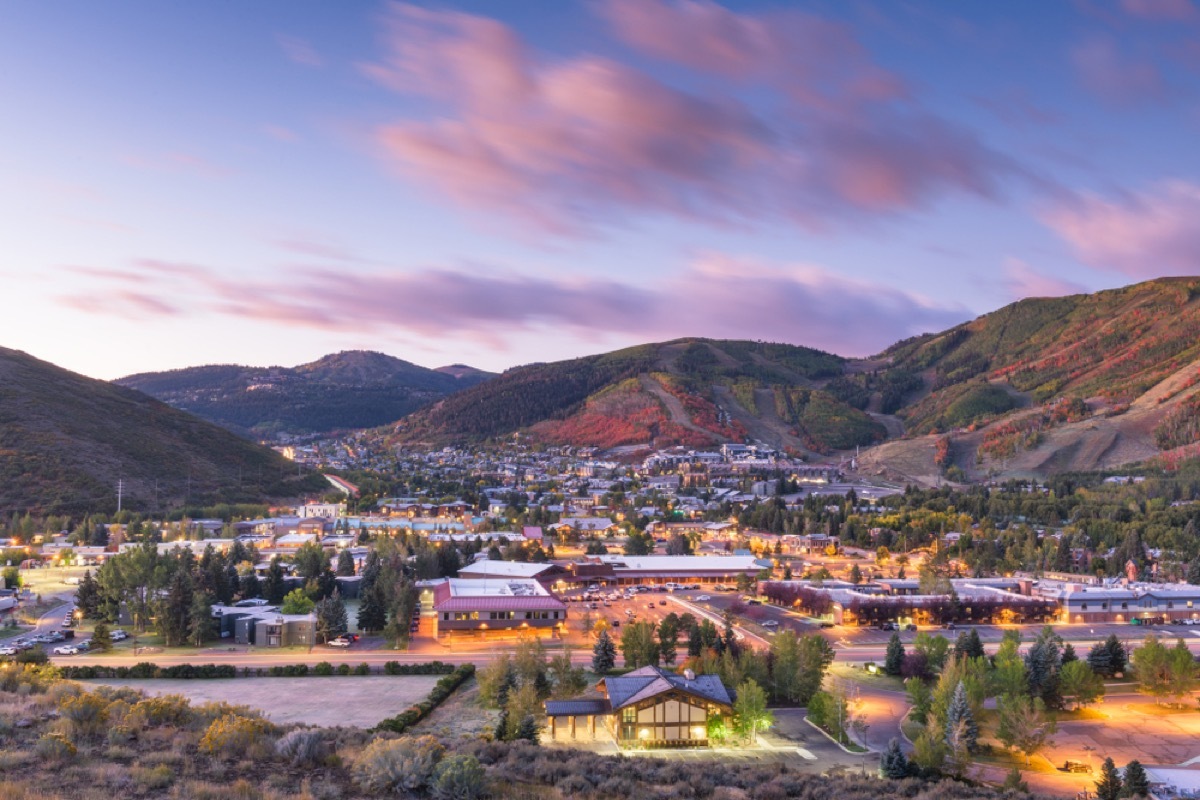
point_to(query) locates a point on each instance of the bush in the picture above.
(323, 668)
(234, 735)
(153, 778)
(441, 690)
(303, 748)
(458, 777)
(167, 709)
(86, 713)
(55, 748)
(395, 765)
(363, 669)
(343, 669)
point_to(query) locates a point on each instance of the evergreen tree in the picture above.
(502, 724)
(969, 644)
(668, 638)
(370, 571)
(251, 586)
(1013, 782)
(695, 641)
(1069, 654)
(274, 587)
(372, 609)
(959, 713)
(175, 609)
(1109, 786)
(101, 638)
(331, 617)
(200, 622)
(893, 764)
(604, 654)
(87, 597)
(345, 564)
(1042, 666)
(1137, 783)
(894, 659)
(1107, 658)
(528, 729)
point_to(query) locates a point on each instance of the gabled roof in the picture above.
(647, 682)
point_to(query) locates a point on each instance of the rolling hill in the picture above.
(696, 392)
(65, 441)
(1044, 385)
(343, 391)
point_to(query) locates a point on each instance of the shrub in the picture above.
(55, 748)
(458, 777)
(323, 668)
(363, 669)
(343, 669)
(392, 765)
(167, 709)
(235, 735)
(120, 734)
(303, 748)
(86, 713)
(441, 690)
(153, 778)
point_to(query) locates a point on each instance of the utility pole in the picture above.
(120, 491)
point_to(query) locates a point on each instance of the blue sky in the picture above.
(499, 183)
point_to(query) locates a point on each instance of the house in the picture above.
(649, 707)
(585, 525)
(544, 573)
(533, 533)
(265, 626)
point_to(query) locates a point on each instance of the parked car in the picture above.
(662, 602)
(8, 651)
(616, 623)
(771, 623)
(67, 650)
(910, 627)
(826, 624)
(117, 634)
(704, 597)
(345, 640)
(1075, 766)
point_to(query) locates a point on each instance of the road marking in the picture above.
(805, 754)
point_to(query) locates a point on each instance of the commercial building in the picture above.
(484, 607)
(653, 570)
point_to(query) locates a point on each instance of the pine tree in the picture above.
(331, 617)
(200, 619)
(1109, 786)
(604, 654)
(101, 638)
(1069, 654)
(1013, 782)
(372, 611)
(894, 660)
(251, 586)
(1137, 783)
(502, 724)
(345, 564)
(528, 729)
(273, 586)
(893, 764)
(959, 713)
(87, 596)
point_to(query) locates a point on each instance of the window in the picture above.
(1083, 606)
(629, 715)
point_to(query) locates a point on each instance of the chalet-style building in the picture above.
(649, 707)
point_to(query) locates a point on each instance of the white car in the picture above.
(771, 624)
(118, 634)
(8, 651)
(704, 597)
(66, 650)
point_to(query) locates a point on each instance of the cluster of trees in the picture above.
(518, 684)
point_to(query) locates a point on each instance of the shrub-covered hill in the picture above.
(66, 440)
(348, 390)
(697, 392)
(66, 741)
(1045, 385)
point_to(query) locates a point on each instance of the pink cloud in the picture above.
(1145, 234)
(1164, 10)
(567, 144)
(1113, 76)
(717, 296)
(299, 51)
(1023, 281)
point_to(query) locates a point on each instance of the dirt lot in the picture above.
(333, 700)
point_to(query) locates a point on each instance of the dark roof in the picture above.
(576, 708)
(648, 682)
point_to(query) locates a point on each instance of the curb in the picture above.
(826, 734)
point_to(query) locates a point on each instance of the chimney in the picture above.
(689, 675)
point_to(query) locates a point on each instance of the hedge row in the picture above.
(443, 689)
(146, 670)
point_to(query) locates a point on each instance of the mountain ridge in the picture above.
(340, 391)
(66, 440)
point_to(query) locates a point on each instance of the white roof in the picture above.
(505, 569)
(682, 563)
(515, 587)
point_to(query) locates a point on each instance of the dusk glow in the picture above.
(501, 183)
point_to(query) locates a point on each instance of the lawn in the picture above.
(852, 672)
(360, 701)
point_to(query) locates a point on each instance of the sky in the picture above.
(498, 183)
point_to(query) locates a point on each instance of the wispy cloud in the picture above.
(715, 296)
(1146, 234)
(1162, 10)
(1022, 281)
(299, 51)
(569, 144)
(1115, 76)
